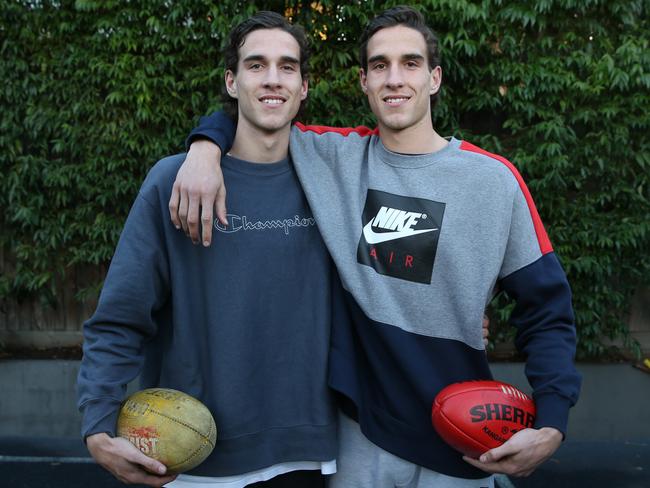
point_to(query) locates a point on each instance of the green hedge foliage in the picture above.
(94, 92)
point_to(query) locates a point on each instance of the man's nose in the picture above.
(272, 77)
(395, 78)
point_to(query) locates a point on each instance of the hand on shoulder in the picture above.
(199, 190)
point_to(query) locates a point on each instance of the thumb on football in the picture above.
(151, 465)
(498, 453)
(136, 456)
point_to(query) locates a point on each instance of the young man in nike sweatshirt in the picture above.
(423, 230)
(244, 326)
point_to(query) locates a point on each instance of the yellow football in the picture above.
(168, 425)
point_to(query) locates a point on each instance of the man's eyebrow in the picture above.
(376, 58)
(259, 57)
(253, 57)
(413, 57)
(405, 57)
(289, 59)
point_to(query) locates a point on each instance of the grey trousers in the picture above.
(362, 464)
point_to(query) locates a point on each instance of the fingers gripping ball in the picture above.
(476, 416)
(168, 425)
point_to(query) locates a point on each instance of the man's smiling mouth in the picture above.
(272, 100)
(396, 100)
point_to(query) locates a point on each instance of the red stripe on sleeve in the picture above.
(344, 131)
(542, 237)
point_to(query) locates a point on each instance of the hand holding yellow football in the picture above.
(170, 426)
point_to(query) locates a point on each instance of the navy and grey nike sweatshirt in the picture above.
(243, 325)
(422, 243)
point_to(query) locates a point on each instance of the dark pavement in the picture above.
(42, 462)
(64, 463)
(593, 465)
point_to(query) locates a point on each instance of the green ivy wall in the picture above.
(94, 92)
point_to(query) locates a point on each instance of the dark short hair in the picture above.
(261, 20)
(409, 17)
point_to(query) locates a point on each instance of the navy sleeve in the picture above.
(217, 127)
(136, 286)
(546, 334)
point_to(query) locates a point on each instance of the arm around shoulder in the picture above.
(199, 191)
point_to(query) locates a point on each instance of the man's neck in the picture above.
(417, 139)
(257, 146)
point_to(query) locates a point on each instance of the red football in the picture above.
(476, 416)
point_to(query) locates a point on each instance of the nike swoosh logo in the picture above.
(373, 237)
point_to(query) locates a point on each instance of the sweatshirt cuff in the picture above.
(552, 411)
(218, 128)
(100, 416)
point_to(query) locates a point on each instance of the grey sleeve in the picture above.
(523, 247)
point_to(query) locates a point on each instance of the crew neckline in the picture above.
(258, 169)
(415, 160)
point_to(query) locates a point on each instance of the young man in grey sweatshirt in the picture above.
(423, 230)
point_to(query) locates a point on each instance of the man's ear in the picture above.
(231, 83)
(363, 81)
(304, 90)
(436, 80)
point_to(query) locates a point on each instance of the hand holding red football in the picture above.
(520, 455)
(476, 416)
(493, 420)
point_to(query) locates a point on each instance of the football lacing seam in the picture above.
(514, 392)
(184, 424)
(206, 440)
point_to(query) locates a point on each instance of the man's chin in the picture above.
(394, 124)
(272, 126)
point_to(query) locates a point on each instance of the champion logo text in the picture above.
(242, 222)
